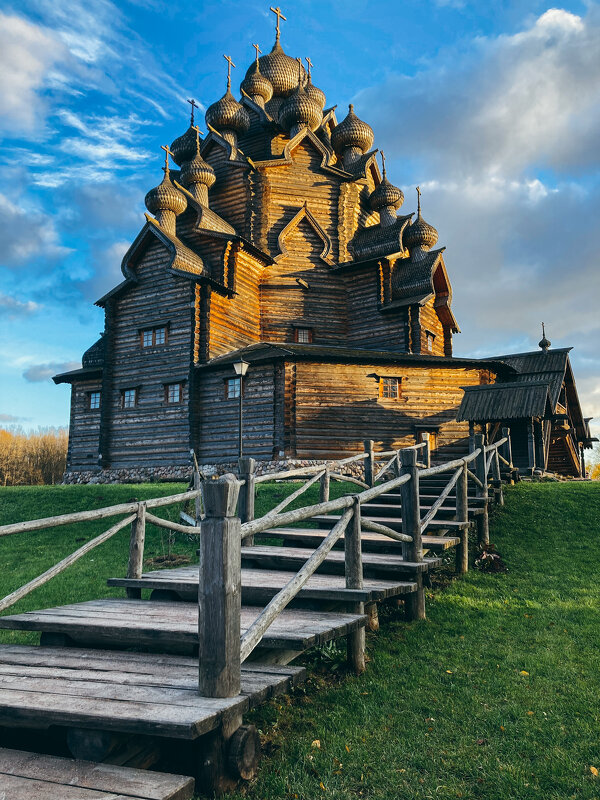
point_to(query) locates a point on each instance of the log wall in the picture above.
(84, 430)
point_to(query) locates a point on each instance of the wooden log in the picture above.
(247, 473)
(171, 526)
(427, 454)
(369, 462)
(483, 529)
(136, 550)
(96, 513)
(324, 486)
(475, 479)
(272, 610)
(411, 526)
(377, 527)
(271, 520)
(372, 616)
(497, 478)
(462, 515)
(290, 498)
(12, 598)
(507, 453)
(336, 476)
(439, 502)
(243, 753)
(219, 591)
(386, 467)
(354, 580)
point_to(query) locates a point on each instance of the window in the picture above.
(303, 335)
(389, 388)
(428, 436)
(233, 387)
(430, 340)
(129, 398)
(173, 392)
(94, 401)
(151, 337)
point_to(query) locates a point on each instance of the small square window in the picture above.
(173, 392)
(94, 401)
(129, 398)
(389, 388)
(303, 335)
(147, 339)
(160, 335)
(152, 337)
(233, 388)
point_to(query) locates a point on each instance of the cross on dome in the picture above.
(194, 105)
(230, 64)
(279, 14)
(309, 64)
(418, 201)
(383, 163)
(258, 50)
(168, 153)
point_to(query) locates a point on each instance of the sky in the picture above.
(492, 107)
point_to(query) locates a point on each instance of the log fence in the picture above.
(226, 520)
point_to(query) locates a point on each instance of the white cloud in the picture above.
(26, 234)
(17, 308)
(38, 373)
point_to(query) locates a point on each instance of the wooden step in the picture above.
(292, 558)
(369, 509)
(395, 523)
(132, 693)
(174, 626)
(259, 586)
(371, 542)
(26, 776)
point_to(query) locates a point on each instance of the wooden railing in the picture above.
(227, 523)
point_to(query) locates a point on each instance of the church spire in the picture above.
(544, 343)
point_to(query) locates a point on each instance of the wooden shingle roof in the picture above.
(504, 401)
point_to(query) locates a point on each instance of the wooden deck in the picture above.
(30, 776)
(371, 542)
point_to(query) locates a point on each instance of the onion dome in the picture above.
(299, 109)
(228, 114)
(280, 69)
(197, 170)
(184, 147)
(544, 343)
(311, 90)
(165, 197)
(386, 195)
(352, 132)
(420, 234)
(259, 88)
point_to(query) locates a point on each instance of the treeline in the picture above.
(31, 458)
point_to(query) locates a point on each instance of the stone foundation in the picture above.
(184, 474)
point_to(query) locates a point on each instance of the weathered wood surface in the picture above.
(411, 526)
(396, 522)
(169, 625)
(259, 585)
(353, 567)
(372, 542)
(24, 776)
(135, 693)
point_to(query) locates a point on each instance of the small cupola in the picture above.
(311, 90)
(419, 237)
(258, 88)
(165, 201)
(299, 110)
(351, 138)
(386, 198)
(197, 176)
(184, 147)
(544, 343)
(227, 116)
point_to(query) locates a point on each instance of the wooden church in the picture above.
(277, 246)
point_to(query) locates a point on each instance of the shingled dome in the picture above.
(165, 197)
(315, 93)
(255, 85)
(300, 110)
(280, 69)
(386, 195)
(352, 132)
(420, 234)
(228, 114)
(197, 170)
(184, 147)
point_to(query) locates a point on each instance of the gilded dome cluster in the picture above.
(352, 132)
(196, 170)
(228, 114)
(280, 70)
(165, 196)
(255, 85)
(300, 109)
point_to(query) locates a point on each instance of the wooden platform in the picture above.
(261, 585)
(396, 522)
(371, 542)
(141, 623)
(30, 776)
(135, 693)
(292, 558)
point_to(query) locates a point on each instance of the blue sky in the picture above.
(492, 107)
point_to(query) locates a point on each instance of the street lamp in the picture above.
(241, 368)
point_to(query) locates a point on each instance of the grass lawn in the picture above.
(495, 696)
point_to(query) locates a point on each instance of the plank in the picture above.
(371, 542)
(396, 522)
(373, 563)
(144, 623)
(56, 774)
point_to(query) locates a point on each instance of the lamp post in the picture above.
(241, 368)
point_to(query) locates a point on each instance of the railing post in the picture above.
(507, 452)
(483, 527)
(354, 580)
(197, 500)
(411, 526)
(369, 462)
(136, 550)
(462, 515)
(427, 454)
(247, 472)
(497, 478)
(219, 591)
(324, 486)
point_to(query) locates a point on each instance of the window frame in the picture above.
(233, 379)
(305, 329)
(385, 380)
(136, 397)
(168, 387)
(143, 332)
(94, 393)
(429, 335)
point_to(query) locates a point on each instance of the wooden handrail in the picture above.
(385, 468)
(348, 478)
(377, 527)
(438, 503)
(272, 610)
(12, 598)
(290, 499)
(474, 478)
(288, 517)
(96, 513)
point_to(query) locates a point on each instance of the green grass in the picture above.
(444, 709)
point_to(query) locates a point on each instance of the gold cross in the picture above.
(280, 17)
(230, 64)
(419, 201)
(309, 64)
(258, 50)
(194, 105)
(168, 153)
(383, 162)
(198, 135)
(299, 60)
